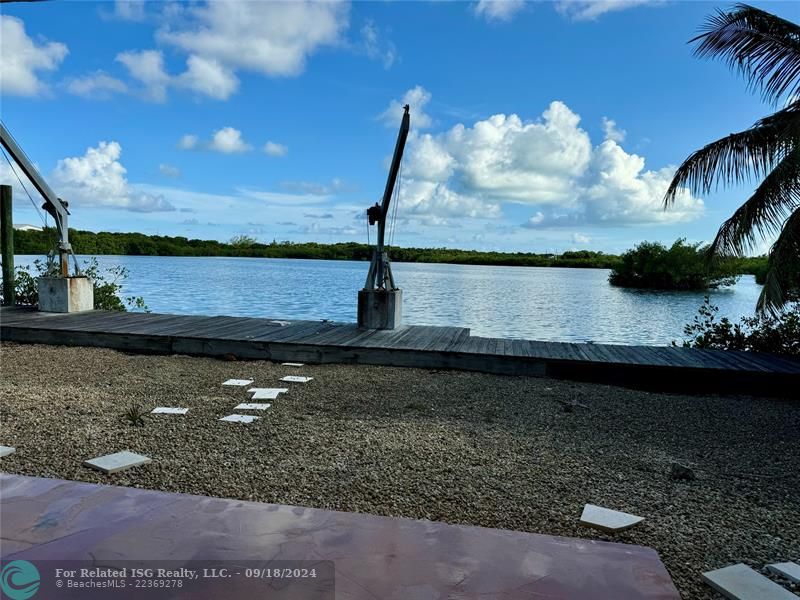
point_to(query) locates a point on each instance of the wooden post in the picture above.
(7, 243)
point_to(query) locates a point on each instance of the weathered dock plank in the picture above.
(666, 368)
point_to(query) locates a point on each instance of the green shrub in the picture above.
(107, 285)
(761, 273)
(682, 266)
(752, 265)
(778, 333)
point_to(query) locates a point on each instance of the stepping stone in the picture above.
(168, 410)
(111, 463)
(238, 382)
(740, 582)
(608, 520)
(252, 406)
(266, 393)
(293, 364)
(789, 570)
(296, 379)
(6, 450)
(239, 418)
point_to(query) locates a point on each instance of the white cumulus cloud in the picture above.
(96, 86)
(612, 132)
(147, 67)
(275, 149)
(416, 98)
(618, 189)
(206, 76)
(209, 77)
(228, 140)
(432, 199)
(223, 37)
(98, 179)
(21, 58)
(129, 10)
(578, 238)
(376, 47)
(549, 163)
(498, 10)
(188, 142)
(535, 220)
(588, 10)
(273, 38)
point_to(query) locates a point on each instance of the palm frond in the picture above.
(783, 272)
(764, 48)
(739, 156)
(764, 213)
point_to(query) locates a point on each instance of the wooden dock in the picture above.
(659, 368)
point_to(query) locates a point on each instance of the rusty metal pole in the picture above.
(7, 243)
(64, 259)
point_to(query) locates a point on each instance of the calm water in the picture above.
(534, 303)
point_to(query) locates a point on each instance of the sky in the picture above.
(535, 126)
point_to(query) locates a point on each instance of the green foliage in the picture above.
(107, 285)
(764, 49)
(40, 242)
(25, 287)
(751, 265)
(777, 333)
(134, 415)
(243, 241)
(682, 266)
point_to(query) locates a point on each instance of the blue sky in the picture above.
(540, 126)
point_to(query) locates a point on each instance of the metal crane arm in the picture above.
(54, 205)
(393, 170)
(380, 270)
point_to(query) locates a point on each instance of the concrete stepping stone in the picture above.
(239, 418)
(740, 582)
(266, 393)
(251, 406)
(119, 461)
(238, 382)
(6, 450)
(608, 520)
(169, 410)
(293, 364)
(296, 379)
(789, 570)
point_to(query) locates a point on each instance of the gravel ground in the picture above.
(444, 445)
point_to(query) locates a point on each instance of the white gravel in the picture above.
(451, 446)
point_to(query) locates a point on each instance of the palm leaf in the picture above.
(764, 213)
(764, 48)
(739, 156)
(783, 272)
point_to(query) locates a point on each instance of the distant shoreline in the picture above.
(33, 242)
(103, 243)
